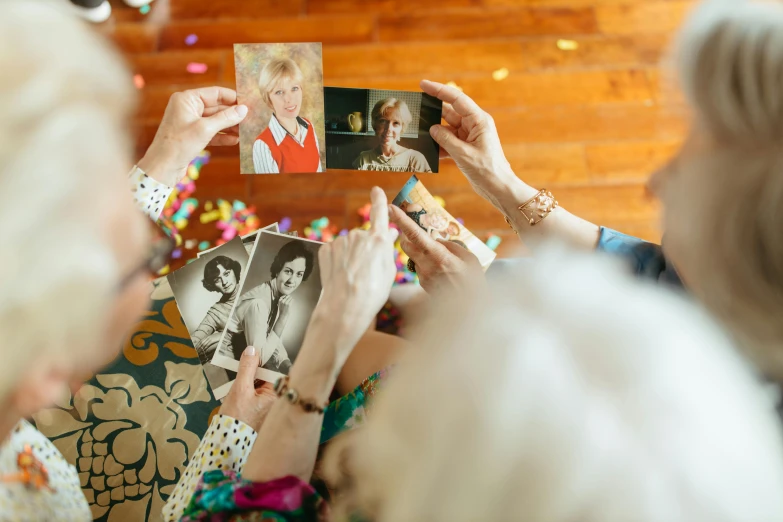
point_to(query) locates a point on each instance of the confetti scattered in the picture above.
(567, 45)
(203, 245)
(138, 81)
(284, 225)
(190, 243)
(145, 9)
(197, 68)
(440, 201)
(177, 253)
(500, 75)
(493, 242)
(191, 39)
(454, 84)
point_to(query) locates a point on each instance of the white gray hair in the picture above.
(572, 392)
(65, 100)
(730, 65)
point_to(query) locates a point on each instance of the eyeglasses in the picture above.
(156, 260)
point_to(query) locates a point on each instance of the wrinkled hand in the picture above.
(439, 263)
(193, 119)
(357, 270)
(244, 401)
(471, 139)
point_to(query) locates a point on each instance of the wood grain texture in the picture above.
(590, 121)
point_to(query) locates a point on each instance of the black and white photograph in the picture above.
(276, 298)
(205, 291)
(249, 240)
(373, 129)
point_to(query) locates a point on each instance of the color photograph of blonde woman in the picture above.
(370, 129)
(282, 86)
(281, 287)
(423, 209)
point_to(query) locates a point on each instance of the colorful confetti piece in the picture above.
(145, 9)
(500, 75)
(138, 81)
(191, 39)
(197, 68)
(567, 45)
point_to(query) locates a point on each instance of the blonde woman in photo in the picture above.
(288, 144)
(390, 117)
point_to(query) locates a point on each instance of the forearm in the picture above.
(279, 327)
(511, 192)
(288, 441)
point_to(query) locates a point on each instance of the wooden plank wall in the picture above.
(589, 123)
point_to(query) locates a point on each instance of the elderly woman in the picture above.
(560, 419)
(221, 275)
(289, 143)
(722, 194)
(390, 118)
(72, 96)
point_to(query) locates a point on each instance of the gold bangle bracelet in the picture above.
(535, 209)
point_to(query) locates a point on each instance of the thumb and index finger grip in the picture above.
(412, 232)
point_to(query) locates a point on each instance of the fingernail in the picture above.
(250, 351)
(241, 110)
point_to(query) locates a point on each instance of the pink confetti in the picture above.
(191, 39)
(138, 81)
(197, 68)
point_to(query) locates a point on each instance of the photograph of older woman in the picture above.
(205, 291)
(281, 289)
(381, 130)
(390, 117)
(284, 137)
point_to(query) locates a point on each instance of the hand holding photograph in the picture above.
(281, 287)
(282, 86)
(416, 201)
(205, 291)
(370, 129)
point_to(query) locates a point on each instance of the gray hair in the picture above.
(65, 101)
(730, 65)
(571, 391)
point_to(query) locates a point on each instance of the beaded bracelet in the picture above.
(292, 396)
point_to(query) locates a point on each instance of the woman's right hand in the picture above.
(471, 140)
(357, 270)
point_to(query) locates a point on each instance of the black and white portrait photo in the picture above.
(276, 299)
(205, 291)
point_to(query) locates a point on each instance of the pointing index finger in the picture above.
(379, 213)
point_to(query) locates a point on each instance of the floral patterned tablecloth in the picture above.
(131, 430)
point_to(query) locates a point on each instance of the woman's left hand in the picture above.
(439, 263)
(193, 119)
(244, 401)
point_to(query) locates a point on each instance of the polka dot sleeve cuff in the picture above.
(225, 447)
(150, 195)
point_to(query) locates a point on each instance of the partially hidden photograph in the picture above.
(372, 129)
(416, 201)
(282, 86)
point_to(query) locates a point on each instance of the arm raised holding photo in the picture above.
(471, 139)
